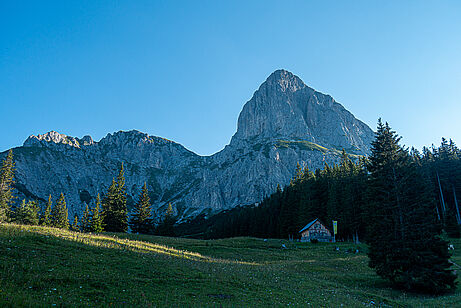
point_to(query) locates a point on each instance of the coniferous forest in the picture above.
(343, 192)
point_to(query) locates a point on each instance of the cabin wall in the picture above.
(317, 230)
(317, 227)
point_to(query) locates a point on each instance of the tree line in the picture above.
(108, 213)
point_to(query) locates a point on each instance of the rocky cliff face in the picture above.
(285, 122)
(284, 107)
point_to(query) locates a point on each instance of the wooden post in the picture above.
(334, 233)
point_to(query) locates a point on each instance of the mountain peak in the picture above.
(283, 81)
(50, 137)
(284, 107)
(281, 74)
(53, 137)
(134, 138)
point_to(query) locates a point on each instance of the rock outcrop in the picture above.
(285, 122)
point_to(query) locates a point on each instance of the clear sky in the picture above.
(184, 69)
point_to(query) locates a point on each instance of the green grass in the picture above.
(45, 266)
(310, 146)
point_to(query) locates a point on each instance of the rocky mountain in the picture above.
(285, 122)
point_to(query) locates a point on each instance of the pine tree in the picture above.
(298, 173)
(75, 227)
(403, 234)
(59, 214)
(166, 227)
(97, 217)
(27, 213)
(141, 221)
(108, 206)
(86, 220)
(45, 219)
(6, 186)
(114, 205)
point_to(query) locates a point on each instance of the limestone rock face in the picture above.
(285, 122)
(284, 106)
(51, 138)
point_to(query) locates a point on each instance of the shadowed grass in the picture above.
(45, 266)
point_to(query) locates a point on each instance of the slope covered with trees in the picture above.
(340, 192)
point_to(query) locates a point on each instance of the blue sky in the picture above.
(184, 69)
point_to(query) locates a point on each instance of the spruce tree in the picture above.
(45, 219)
(108, 206)
(59, 214)
(6, 186)
(114, 205)
(27, 213)
(403, 234)
(97, 216)
(75, 227)
(166, 227)
(86, 220)
(141, 221)
(298, 173)
(122, 211)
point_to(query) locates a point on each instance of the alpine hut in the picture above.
(315, 230)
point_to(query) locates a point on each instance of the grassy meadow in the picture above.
(44, 267)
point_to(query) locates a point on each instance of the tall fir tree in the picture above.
(298, 173)
(75, 225)
(166, 227)
(141, 221)
(6, 186)
(108, 206)
(114, 205)
(59, 214)
(45, 219)
(97, 216)
(27, 213)
(85, 224)
(403, 233)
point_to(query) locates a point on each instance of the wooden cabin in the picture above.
(316, 230)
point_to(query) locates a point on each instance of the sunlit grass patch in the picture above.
(114, 242)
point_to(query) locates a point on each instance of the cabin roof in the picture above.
(308, 225)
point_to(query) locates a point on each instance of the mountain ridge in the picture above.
(285, 122)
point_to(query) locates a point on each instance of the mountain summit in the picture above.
(284, 123)
(285, 107)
